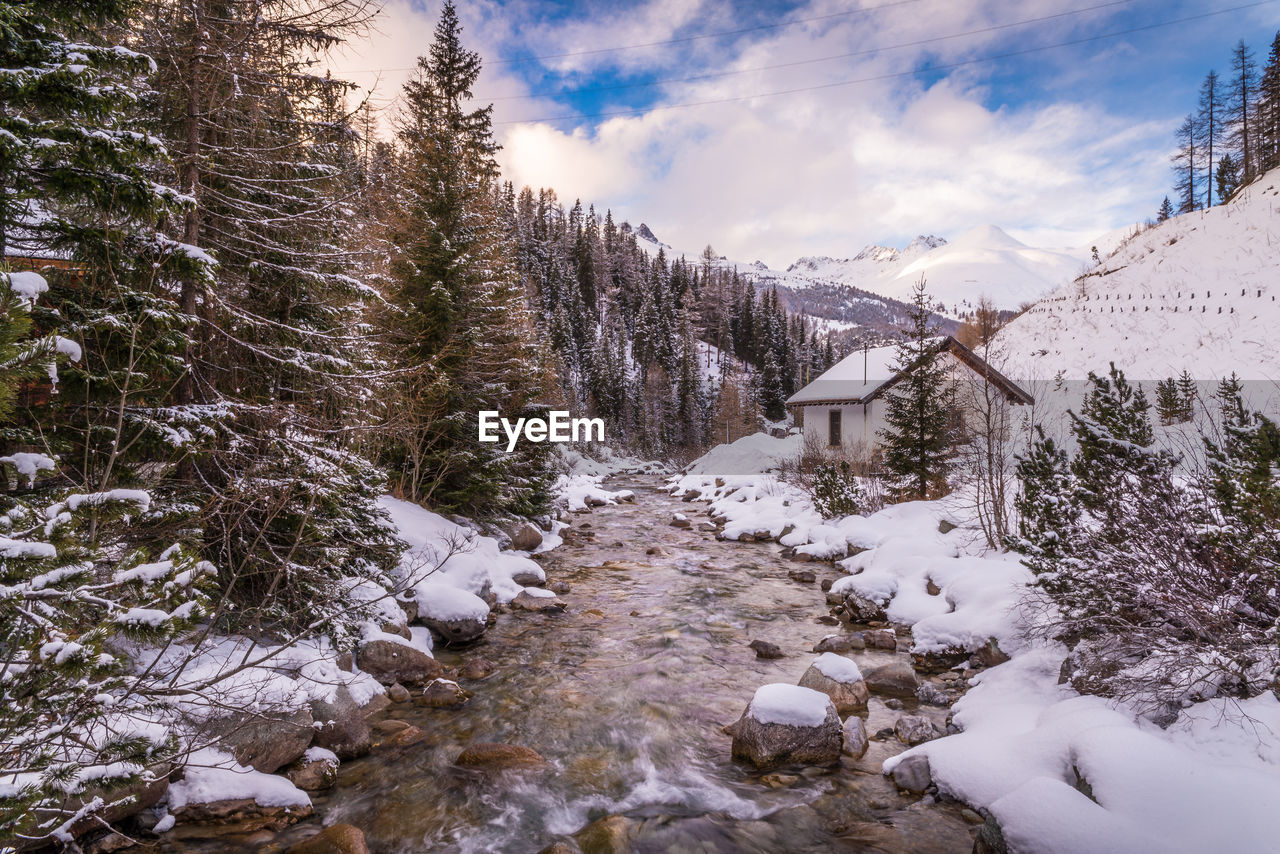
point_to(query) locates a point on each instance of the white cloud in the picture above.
(819, 172)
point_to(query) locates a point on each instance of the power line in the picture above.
(681, 40)
(892, 75)
(864, 52)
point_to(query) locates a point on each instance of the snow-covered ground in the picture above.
(983, 261)
(1199, 292)
(1060, 772)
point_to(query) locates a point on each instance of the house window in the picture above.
(833, 428)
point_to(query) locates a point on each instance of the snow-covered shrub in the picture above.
(76, 721)
(836, 490)
(1164, 589)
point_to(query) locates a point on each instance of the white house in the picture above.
(845, 405)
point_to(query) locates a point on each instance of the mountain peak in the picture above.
(645, 233)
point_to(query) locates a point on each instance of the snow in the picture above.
(1210, 781)
(27, 286)
(758, 452)
(320, 754)
(791, 705)
(838, 668)
(853, 377)
(212, 775)
(1204, 281)
(441, 601)
(445, 552)
(29, 464)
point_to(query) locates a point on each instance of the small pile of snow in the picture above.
(212, 775)
(791, 705)
(577, 492)
(754, 454)
(29, 464)
(440, 601)
(442, 551)
(838, 668)
(320, 754)
(27, 286)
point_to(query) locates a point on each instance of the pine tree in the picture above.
(1228, 177)
(459, 321)
(1168, 401)
(1209, 120)
(1166, 208)
(1047, 515)
(1188, 395)
(918, 439)
(772, 397)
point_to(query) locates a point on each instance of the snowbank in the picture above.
(754, 454)
(1062, 773)
(211, 775)
(445, 552)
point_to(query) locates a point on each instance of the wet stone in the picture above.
(764, 649)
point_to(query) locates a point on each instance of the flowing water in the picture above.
(625, 694)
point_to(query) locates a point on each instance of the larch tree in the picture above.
(1240, 110)
(1209, 121)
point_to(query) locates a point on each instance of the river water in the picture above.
(625, 694)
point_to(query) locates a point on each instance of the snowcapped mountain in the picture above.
(1196, 292)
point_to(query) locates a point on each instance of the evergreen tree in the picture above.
(1046, 512)
(773, 398)
(1168, 401)
(1228, 177)
(1267, 115)
(918, 439)
(459, 321)
(1166, 208)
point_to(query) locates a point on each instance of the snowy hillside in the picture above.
(1196, 292)
(984, 261)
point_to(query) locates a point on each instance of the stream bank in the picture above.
(625, 694)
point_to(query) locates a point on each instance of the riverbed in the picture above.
(625, 694)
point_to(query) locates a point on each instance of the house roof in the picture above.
(864, 375)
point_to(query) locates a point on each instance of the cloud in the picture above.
(822, 171)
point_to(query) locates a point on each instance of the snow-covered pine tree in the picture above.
(281, 362)
(1047, 513)
(460, 325)
(918, 438)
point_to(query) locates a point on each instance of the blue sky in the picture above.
(1054, 145)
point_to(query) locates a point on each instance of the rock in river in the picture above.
(390, 661)
(914, 729)
(785, 724)
(855, 737)
(344, 729)
(317, 769)
(334, 839)
(764, 649)
(457, 615)
(895, 679)
(840, 679)
(498, 756)
(536, 599)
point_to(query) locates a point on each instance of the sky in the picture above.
(773, 130)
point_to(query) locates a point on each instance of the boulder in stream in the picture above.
(537, 599)
(442, 694)
(840, 679)
(315, 770)
(266, 741)
(457, 615)
(786, 724)
(914, 729)
(856, 740)
(913, 773)
(895, 679)
(390, 661)
(764, 649)
(334, 839)
(343, 727)
(497, 756)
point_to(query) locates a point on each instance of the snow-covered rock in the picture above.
(840, 679)
(787, 723)
(459, 616)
